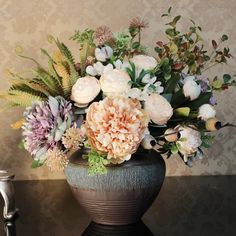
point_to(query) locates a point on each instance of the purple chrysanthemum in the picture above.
(46, 122)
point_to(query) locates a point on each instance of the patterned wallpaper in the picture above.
(27, 23)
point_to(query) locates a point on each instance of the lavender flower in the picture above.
(46, 122)
(204, 83)
(213, 100)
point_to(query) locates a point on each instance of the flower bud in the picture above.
(206, 111)
(213, 124)
(148, 142)
(191, 89)
(171, 135)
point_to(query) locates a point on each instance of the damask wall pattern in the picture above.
(27, 23)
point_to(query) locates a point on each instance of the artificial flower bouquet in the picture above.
(117, 99)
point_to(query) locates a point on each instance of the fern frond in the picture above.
(74, 76)
(63, 72)
(20, 98)
(57, 56)
(65, 51)
(86, 50)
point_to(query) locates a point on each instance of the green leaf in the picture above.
(224, 37)
(171, 84)
(174, 149)
(36, 164)
(169, 10)
(170, 32)
(178, 99)
(167, 96)
(227, 78)
(217, 84)
(158, 50)
(135, 45)
(203, 99)
(182, 111)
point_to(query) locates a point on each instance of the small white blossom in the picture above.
(104, 53)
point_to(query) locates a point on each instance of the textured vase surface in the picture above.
(121, 196)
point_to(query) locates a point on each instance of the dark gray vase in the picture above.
(121, 196)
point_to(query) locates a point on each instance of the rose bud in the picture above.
(206, 111)
(85, 90)
(158, 109)
(191, 89)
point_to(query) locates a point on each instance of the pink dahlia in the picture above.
(116, 126)
(45, 125)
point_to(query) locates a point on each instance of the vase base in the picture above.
(137, 229)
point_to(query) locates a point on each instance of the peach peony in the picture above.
(116, 126)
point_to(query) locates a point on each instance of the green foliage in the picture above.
(46, 82)
(36, 163)
(207, 140)
(97, 163)
(87, 46)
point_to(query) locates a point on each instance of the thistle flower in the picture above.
(103, 34)
(73, 138)
(56, 160)
(45, 124)
(137, 22)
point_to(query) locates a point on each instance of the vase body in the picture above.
(121, 196)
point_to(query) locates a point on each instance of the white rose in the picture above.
(104, 53)
(191, 89)
(115, 82)
(190, 140)
(144, 62)
(85, 90)
(158, 109)
(206, 111)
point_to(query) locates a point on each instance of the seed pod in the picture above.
(171, 135)
(148, 142)
(213, 124)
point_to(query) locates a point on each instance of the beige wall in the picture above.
(27, 22)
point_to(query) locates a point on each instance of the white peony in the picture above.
(115, 82)
(103, 53)
(206, 111)
(191, 89)
(85, 90)
(190, 140)
(158, 109)
(144, 62)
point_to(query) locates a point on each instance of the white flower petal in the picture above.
(91, 71)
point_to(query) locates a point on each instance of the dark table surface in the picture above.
(185, 206)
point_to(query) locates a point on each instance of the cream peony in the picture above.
(116, 126)
(158, 109)
(190, 140)
(144, 62)
(206, 111)
(115, 82)
(191, 89)
(85, 90)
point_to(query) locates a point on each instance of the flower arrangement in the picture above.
(118, 99)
